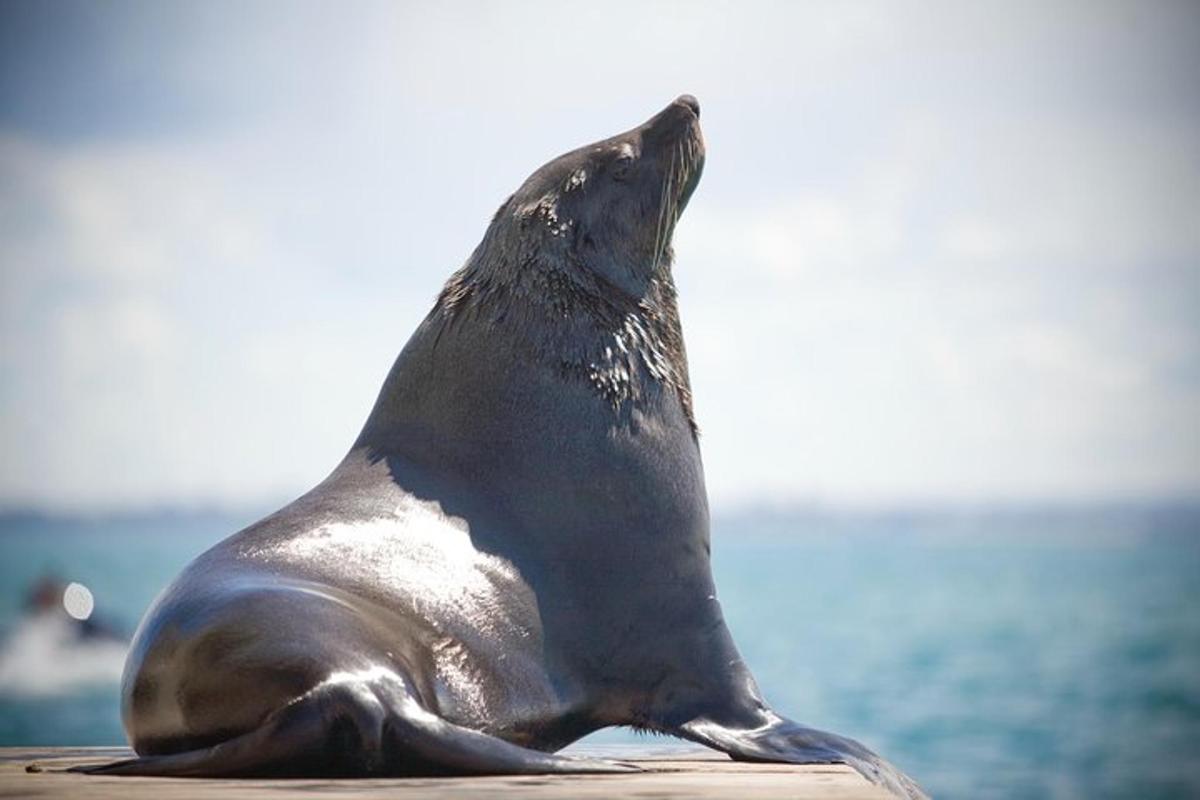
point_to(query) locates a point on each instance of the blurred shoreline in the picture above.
(768, 518)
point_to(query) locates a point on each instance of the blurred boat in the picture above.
(60, 645)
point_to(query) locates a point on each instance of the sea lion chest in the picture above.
(599, 505)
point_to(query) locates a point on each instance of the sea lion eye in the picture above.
(620, 167)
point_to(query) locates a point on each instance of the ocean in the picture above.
(1004, 653)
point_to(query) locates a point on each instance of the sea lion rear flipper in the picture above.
(781, 740)
(354, 728)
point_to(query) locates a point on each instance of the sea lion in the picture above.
(515, 551)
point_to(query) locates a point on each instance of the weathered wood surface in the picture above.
(670, 772)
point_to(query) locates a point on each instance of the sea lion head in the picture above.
(610, 208)
(574, 269)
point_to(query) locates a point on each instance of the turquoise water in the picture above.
(999, 655)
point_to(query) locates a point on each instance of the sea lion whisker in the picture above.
(660, 227)
(664, 222)
(667, 220)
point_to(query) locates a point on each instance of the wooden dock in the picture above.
(671, 772)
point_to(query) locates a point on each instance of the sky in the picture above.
(940, 252)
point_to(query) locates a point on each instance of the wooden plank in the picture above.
(35, 772)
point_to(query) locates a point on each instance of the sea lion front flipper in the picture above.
(354, 727)
(781, 740)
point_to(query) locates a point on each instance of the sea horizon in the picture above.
(769, 510)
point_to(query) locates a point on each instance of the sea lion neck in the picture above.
(560, 317)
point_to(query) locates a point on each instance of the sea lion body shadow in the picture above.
(515, 551)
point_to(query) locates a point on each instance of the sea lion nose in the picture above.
(689, 101)
(677, 119)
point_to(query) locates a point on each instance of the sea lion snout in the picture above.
(690, 102)
(680, 119)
